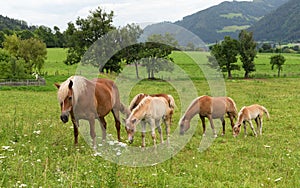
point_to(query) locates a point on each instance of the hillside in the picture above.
(282, 25)
(7, 23)
(227, 18)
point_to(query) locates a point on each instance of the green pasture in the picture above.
(36, 148)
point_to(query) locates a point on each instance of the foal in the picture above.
(247, 113)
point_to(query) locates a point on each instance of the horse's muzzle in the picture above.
(64, 118)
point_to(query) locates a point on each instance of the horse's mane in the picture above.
(133, 101)
(79, 86)
(231, 101)
(143, 102)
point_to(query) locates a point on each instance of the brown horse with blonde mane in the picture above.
(212, 108)
(90, 99)
(246, 114)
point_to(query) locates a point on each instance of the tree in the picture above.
(32, 51)
(10, 67)
(225, 55)
(85, 33)
(247, 51)
(111, 51)
(278, 61)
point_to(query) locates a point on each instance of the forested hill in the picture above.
(227, 18)
(12, 24)
(282, 25)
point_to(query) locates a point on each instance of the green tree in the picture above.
(278, 61)
(225, 55)
(10, 67)
(85, 33)
(32, 51)
(247, 51)
(114, 49)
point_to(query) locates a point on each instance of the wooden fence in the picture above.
(27, 82)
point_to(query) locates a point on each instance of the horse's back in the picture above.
(159, 107)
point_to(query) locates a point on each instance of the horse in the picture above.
(150, 110)
(246, 114)
(212, 108)
(89, 99)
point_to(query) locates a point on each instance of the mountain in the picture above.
(282, 25)
(227, 18)
(12, 24)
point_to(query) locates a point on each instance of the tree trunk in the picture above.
(246, 75)
(136, 70)
(278, 73)
(229, 74)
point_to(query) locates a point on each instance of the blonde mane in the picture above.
(143, 102)
(79, 86)
(133, 101)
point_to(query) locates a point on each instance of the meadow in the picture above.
(36, 148)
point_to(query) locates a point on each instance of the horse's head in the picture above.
(66, 101)
(130, 125)
(236, 129)
(184, 125)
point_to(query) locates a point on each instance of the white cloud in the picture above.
(59, 12)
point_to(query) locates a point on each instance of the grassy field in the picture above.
(36, 148)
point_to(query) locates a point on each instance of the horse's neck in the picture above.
(192, 111)
(140, 112)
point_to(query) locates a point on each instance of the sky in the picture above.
(52, 13)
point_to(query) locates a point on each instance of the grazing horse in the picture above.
(89, 99)
(247, 113)
(150, 110)
(212, 108)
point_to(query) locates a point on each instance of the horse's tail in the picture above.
(233, 107)
(134, 102)
(266, 111)
(124, 110)
(171, 102)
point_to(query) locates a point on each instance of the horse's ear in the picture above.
(57, 85)
(70, 84)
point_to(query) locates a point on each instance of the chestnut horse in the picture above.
(246, 114)
(150, 110)
(212, 108)
(89, 99)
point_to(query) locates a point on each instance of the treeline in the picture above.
(51, 37)
(92, 40)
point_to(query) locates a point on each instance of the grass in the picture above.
(36, 148)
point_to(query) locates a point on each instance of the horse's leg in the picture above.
(92, 131)
(157, 124)
(152, 124)
(257, 123)
(231, 120)
(75, 126)
(168, 122)
(143, 123)
(117, 123)
(223, 125)
(261, 125)
(245, 129)
(251, 125)
(203, 124)
(103, 127)
(212, 125)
